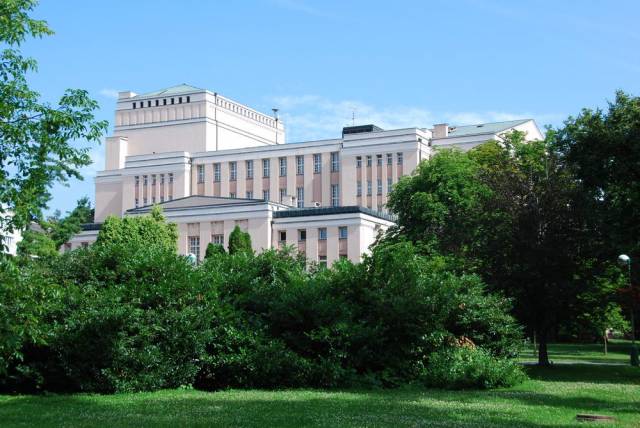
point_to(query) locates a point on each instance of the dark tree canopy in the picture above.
(239, 241)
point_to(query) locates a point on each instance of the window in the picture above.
(157, 103)
(389, 185)
(317, 163)
(359, 188)
(379, 160)
(217, 239)
(200, 173)
(358, 161)
(172, 101)
(335, 195)
(399, 158)
(171, 197)
(161, 198)
(194, 246)
(322, 234)
(233, 171)
(283, 167)
(300, 197)
(188, 99)
(232, 195)
(335, 161)
(179, 100)
(249, 194)
(144, 201)
(149, 103)
(283, 236)
(322, 261)
(137, 179)
(134, 106)
(342, 232)
(283, 194)
(153, 199)
(389, 159)
(249, 168)
(266, 195)
(170, 178)
(153, 179)
(302, 235)
(379, 186)
(137, 202)
(368, 187)
(216, 172)
(266, 168)
(300, 165)
(369, 161)
(164, 102)
(145, 180)
(161, 178)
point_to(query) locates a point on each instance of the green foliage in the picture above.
(35, 137)
(139, 231)
(239, 241)
(464, 367)
(61, 229)
(36, 244)
(213, 249)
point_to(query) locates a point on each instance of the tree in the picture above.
(38, 244)
(61, 229)
(213, 249)
(239, 241)
(143, 231)
(37, 140)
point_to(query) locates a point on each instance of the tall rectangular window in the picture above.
(359, 188)
(145, 180)
(369, 160)
(368, 187)
(232, 195)
(153, 179)
(134, 106)
(358, 161)
(137, 179)
(317, 163)
(137, 202)
(283, 167)
(300, 197)
(335, 161)
(302, 235)
(266, 168)
(343, 232)
(200, 174)
(399, 154)
(171, 178)
(335, 195)
(217, 239)
(379, 160)
(389, 185)
(300, 165)
(233, 171)
(389, 158)
(161, 178)
(266, 195)
(216, 172)
(322, 233)
(322, 262)
(249, 167)
(379, 186)
(283, 194)
(249, 194)
(194, 246)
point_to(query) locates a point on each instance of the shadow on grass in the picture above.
(590, 373)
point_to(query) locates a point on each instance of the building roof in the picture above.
(196, 201)
(484, 128)
(305, 212)
(173, 90)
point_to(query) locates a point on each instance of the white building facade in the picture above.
(213, 163)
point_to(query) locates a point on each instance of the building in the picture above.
(9, 240)
(213, 163)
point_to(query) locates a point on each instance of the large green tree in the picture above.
(38, 141)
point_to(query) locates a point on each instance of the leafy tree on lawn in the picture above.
(239, 241)
(36, 139)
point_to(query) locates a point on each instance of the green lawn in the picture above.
(552, 397)
(618, 352)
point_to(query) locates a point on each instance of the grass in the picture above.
(552, 397)
(618, 352)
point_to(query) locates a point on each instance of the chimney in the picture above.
(440, 130)
(126, 94)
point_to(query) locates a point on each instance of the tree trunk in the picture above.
(543, 356)
(605, 342)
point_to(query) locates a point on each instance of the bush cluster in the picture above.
(135, 316)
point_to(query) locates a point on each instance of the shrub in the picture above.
(467, 367)
(239, 241)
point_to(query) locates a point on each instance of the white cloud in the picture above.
(312, 117)
(109, 93)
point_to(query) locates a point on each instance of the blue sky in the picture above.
(400, 63)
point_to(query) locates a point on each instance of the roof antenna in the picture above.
(275, 115)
